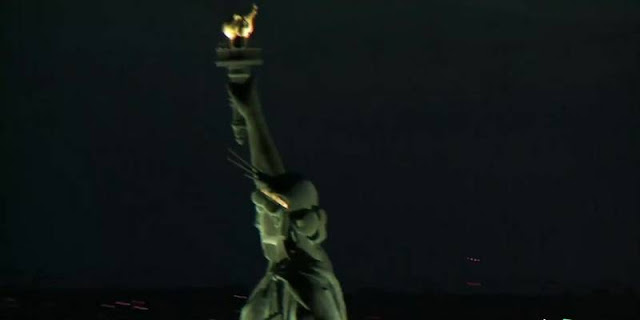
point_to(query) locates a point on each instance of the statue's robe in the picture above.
(299, 282)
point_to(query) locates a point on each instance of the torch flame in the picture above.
(240, 26)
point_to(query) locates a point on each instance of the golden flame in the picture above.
(240, 26)
(275, 197)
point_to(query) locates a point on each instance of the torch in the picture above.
(238, 58)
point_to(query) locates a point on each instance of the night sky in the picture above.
(434, 130)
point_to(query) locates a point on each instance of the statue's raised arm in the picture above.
(264, 153)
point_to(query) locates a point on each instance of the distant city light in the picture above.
(240, 296)
(473, 259)
(140, 308)
(122, 303)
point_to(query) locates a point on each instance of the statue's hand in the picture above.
(244, 97)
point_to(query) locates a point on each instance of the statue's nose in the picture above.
(257, 198)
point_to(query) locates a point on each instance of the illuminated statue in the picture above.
(299, 282)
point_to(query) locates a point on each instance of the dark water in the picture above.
(219, 304)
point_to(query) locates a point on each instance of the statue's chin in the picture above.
(263, 210)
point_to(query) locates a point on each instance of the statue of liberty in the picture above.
(299, 282)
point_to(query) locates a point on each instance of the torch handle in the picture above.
(238, 123)
(238, 62)
(239, 126)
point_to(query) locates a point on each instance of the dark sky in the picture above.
(434, 131)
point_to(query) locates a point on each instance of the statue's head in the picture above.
(297, 196)
(288, 191)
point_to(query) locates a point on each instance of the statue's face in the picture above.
(264, 204)
(269, 216)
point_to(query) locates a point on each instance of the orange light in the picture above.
(275, 197)
(241, 26)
